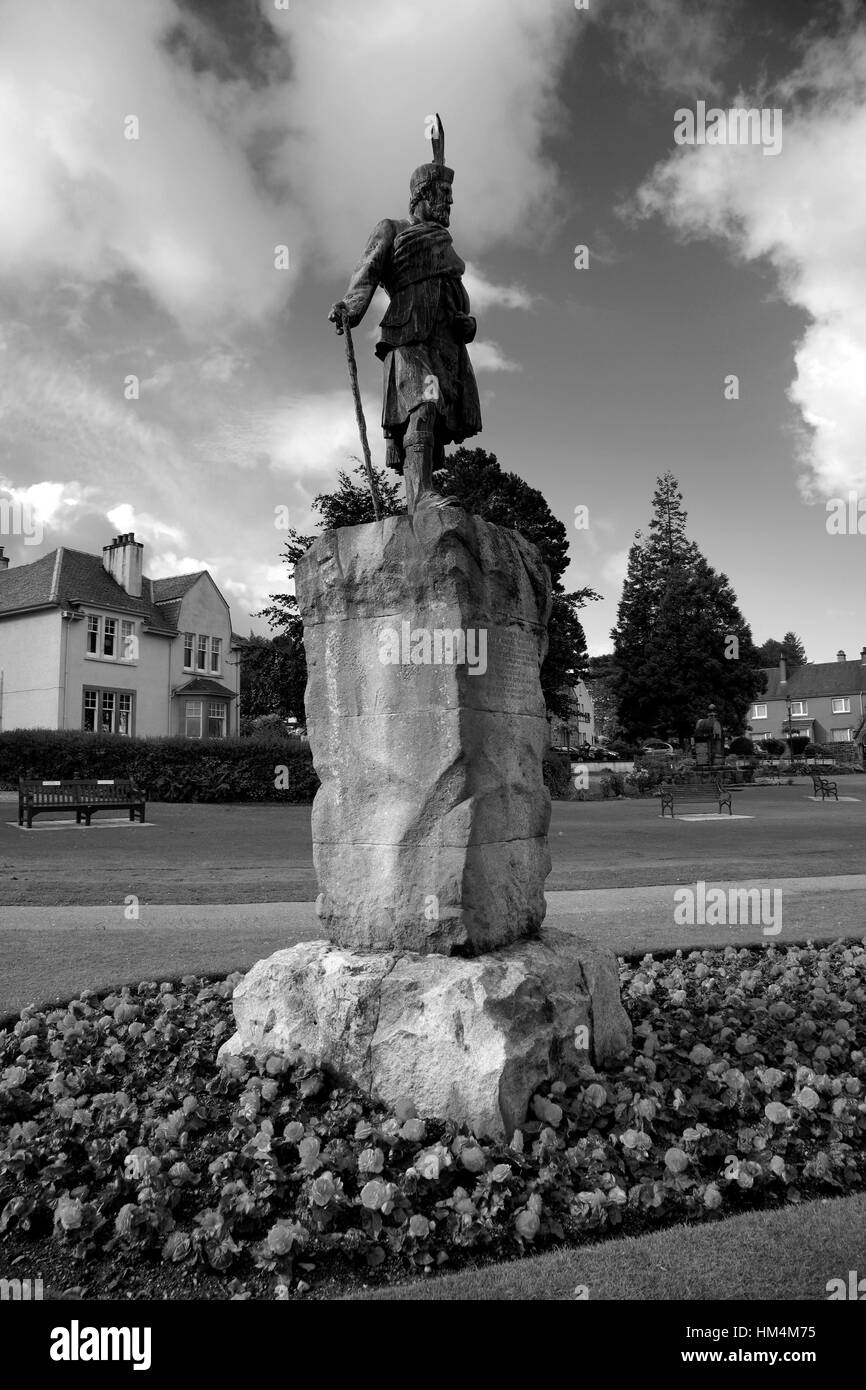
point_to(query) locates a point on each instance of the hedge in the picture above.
(167, 769)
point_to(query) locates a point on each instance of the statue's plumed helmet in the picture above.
(438, 169)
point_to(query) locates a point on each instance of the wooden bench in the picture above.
(698, 792)
(824, 786)
(81, 795)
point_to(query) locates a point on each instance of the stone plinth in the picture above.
(430, 826)
(469, 1040)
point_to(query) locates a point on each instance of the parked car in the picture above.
(657, 746)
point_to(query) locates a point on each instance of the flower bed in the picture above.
(132, 1164)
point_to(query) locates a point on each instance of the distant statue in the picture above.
(430, 394)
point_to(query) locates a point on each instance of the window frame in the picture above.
(755, 713)
(216, 656)
(115, 694)
(201, 651)
(186, 718)
(128, 629)
(222, 714)
(842, 700)
(802, 712)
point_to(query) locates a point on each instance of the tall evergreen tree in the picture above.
(476, 480)
(790, 646)
(673, 651)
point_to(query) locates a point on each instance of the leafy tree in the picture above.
(676, 616)
(475, 479)
(790, 646)
(272, 677)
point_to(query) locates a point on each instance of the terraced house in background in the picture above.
(89, 642)
(824, 701)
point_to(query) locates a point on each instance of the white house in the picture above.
(89, 642)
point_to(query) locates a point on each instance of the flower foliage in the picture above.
(120, 1131)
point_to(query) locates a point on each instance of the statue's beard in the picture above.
(441, 213)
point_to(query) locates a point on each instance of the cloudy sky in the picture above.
(261, 126)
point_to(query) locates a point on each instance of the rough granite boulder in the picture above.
(465, 1039)
(424, 637)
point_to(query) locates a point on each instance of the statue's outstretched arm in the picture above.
(366, 277)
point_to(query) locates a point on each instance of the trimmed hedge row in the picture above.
(168, 769)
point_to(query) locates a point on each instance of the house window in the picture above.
(841, 706)
(841, 735)
(92, 635)
(187, 650)
(91, 700)
(216, 719)
(128, 641)
(215, 655)
(201, 657)
(799, 709)
(109, 636)
(124, 713)
(108, 709)
(760, 712)
(192, 718)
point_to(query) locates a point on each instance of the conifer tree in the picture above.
(681, 642)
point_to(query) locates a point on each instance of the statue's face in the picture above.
(436, 207)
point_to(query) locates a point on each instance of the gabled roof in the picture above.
(203, 685)
(66, 576)
(173, 589)
(816, 679)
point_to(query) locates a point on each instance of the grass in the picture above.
(759, 1256)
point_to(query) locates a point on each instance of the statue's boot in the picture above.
(421, 495)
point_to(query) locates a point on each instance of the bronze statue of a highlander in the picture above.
(430, 395)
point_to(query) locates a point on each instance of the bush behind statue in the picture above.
(168, 769)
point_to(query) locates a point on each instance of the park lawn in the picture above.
(791, 1253)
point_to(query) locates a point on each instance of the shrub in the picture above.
(557, 772)
(167, 769)
(742, 747)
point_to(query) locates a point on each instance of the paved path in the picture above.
(97, 947)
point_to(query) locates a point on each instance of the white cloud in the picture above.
(180, 208)
(161, 564)
(226, 169)
(489, 357)
(317, 434)
(485, 294)
(489, 68)
(804, 212)
(148, 529)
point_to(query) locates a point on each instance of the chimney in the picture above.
(122, 560)
(863, 656)
(840, 656)
(4, 560)
(783, 669)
